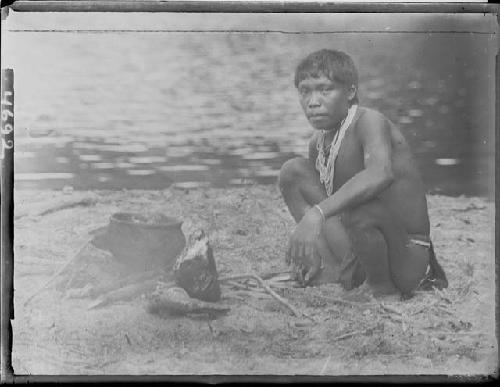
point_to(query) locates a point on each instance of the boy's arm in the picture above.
(375, 140)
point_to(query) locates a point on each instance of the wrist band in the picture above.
(320, 211)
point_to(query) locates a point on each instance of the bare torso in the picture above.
(405, 197)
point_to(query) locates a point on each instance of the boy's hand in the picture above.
(301, 251)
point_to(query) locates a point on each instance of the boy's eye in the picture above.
(306, 91)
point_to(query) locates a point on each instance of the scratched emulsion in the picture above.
(147, 110)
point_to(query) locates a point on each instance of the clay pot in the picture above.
(143, 241)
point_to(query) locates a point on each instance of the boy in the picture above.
(359, 200)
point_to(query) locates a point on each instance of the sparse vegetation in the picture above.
(449, 331)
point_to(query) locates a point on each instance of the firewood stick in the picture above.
(128, 280)
(347, 335)
(275, 295)
(64, 267)
(125, 293)
(128, 291)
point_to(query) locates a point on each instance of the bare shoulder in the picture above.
(372, 125)
(372, 120)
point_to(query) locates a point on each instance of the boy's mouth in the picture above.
(318, 116)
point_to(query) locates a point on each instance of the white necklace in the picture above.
(327, 172)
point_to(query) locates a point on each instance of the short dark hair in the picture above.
(333, 64)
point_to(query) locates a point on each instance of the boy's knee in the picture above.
(292, 171)
(335, 229)
(359, 220)
(365, 216)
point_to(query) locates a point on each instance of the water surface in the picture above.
(132, 110)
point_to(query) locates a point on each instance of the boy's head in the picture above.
(335, 65)
(327, 81)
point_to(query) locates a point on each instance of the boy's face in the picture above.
(325, 102)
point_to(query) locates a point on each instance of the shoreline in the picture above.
(70, 189)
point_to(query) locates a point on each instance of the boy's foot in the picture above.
(367, 293)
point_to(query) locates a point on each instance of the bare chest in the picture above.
(349, 160)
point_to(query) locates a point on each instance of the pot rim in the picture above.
(117, 218)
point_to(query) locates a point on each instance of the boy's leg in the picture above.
(370, 249)
(370, 232)
(301, 189)
(404, 262)
(300, 186)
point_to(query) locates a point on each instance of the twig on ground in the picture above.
(237, 285)
(466, 289)
(35, 261)
(279, 285)
(252, 293)
(443, 309)
(341, 301)
(323, 369)
(350, 334)
(390, 309)
(234, 297)
(54, 205)
(470, 207)
(450, 333)
(271, 274)
(276, 296)
(443, 297)
(398, 319)
(419, 310)
(64, 267)
(396, 315)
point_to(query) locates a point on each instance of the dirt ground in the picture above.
(438, 332)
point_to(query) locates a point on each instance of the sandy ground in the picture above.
(447, 332)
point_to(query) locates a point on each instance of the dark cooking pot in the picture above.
(144, 241)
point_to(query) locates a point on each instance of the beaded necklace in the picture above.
(326, 168)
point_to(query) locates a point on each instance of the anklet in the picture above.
(320, 211)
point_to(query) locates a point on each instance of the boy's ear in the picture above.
(351, 92)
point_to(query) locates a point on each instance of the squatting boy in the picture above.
(358, 200)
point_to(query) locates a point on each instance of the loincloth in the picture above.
(420, 240)
(435, 276)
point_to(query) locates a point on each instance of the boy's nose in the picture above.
(314, 100)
